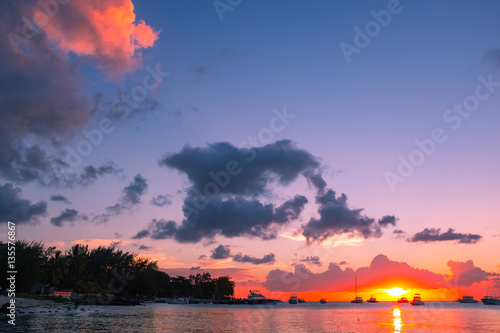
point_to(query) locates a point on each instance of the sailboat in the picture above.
(357, 299)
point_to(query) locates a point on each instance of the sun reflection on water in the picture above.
(396, 313)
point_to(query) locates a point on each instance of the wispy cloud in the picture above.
(435, 235)
(131, 196)
(59, 198)
(161, 200)
(266, 259)
(67, 215)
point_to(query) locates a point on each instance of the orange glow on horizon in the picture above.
(396, 292)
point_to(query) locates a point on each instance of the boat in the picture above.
(467, 299)
(357, 299)
(301, 301)
(179, 300)
(403, 300)
(293, 300)
(491, 300)
(322, 301)
(255, 298)
(372, 300)
(417, 300)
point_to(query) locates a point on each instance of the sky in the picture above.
(291, 145)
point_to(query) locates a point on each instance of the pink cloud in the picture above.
(105, 31)
(381, 273)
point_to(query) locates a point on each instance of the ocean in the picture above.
(309, 317)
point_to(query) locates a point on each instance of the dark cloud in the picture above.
(161, 200)
(435, 235)
(60, 198)
(343, 263)
(38, 96)
(133, 192)
(337, 218)
(267, 259)
(195, 268)
(466, 273)
(158, 229)
(399, 234)
(15, 209)
(221, 252)
(226, 182)
(382, 272)
(233, 217)
(316, 180)
(115, 244)
(291, 209)
(117, 235)
(67, 215)
(386, 220)
(131, 197)
(313, 260)
(90, 174)
(42, 104)
(223, 168)
(145, 248)
(141, 234)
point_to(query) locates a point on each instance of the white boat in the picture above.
(467, 299)
(403, 300)
(293, 300)
(178, 300)
(417, 300)
(357, 299)
(255, 298)
(372, 300)
(491, 300)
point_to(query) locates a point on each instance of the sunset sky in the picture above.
(292, 145)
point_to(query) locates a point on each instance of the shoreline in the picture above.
(23, 303)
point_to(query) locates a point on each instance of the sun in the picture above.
(395, 292)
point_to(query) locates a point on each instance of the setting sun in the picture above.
(395, 292)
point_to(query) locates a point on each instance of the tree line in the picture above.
(104, 270)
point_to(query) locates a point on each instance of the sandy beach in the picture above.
(23, 303)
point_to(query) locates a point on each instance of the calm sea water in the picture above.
(310, 317)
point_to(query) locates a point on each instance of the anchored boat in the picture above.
(255, 298)
(417, 300)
